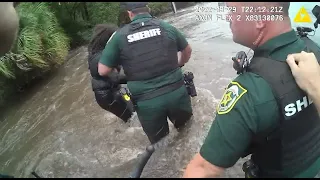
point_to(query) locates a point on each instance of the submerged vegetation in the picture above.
(48, 30)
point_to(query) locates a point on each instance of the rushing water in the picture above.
(60, 131)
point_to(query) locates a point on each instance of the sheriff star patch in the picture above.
(230, 97)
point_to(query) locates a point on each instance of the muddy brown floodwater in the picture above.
(60, 131)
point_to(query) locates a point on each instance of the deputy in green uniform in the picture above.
(147, 50)
(263, 112)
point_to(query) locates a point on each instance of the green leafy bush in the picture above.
(41, 44)
(158, 8)
(41, 39)
(104, 12)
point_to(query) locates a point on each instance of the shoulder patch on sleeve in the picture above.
(230, 97)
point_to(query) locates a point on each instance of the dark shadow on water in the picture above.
(17, 100)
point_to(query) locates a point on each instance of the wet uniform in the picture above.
(151, 63)
(106, 89)
(249, 107)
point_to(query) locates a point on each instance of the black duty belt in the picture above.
(158, 92)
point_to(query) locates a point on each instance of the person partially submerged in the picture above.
(106, 89)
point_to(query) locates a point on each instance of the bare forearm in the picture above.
(183, 59)
(104, 70)
(184, 55)
(200, 168)
(194, 171)
(314, 94)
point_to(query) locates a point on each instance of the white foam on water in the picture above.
(62, 132)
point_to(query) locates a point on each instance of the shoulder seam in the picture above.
(111, 36)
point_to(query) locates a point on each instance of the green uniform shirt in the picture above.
(248, 107)
(111, 54)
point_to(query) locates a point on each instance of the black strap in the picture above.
(158, 92)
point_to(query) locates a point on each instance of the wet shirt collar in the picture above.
(276, 42)
(141, 16)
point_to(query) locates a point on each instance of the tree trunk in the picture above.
(86, 12)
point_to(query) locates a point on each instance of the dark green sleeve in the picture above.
(247, 107)
(111, 53)
(175, 34)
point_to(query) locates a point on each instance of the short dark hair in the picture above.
(123, 18)
(141, 10)
(100, 36)
(133, 5)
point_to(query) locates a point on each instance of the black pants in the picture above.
(110, 101)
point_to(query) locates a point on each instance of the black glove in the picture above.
(122, 76)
